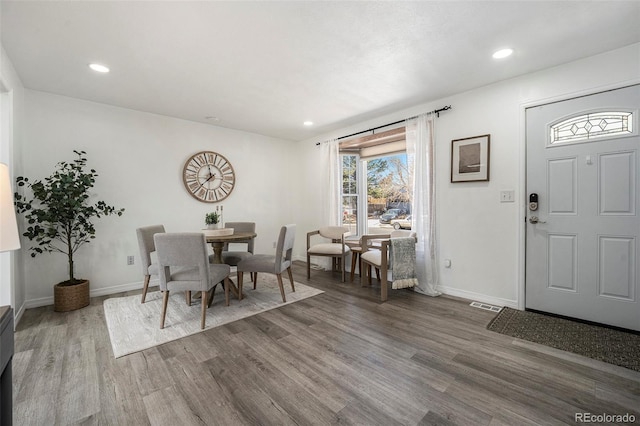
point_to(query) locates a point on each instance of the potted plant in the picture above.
(59, 218)
(212, 220)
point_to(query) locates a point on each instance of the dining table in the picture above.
(217, 243)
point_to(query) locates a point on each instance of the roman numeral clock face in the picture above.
(208, 177)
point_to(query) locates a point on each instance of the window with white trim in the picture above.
(376, 179)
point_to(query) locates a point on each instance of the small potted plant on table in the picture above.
(212, 220)
(59, 220)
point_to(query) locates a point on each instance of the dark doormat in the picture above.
(601, 343)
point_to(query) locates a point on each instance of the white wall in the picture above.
(139, 158)
(483, 237)
(11, 293)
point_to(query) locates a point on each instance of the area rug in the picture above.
(135, 326)
(601, 343)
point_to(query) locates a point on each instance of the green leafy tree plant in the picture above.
(60, 215)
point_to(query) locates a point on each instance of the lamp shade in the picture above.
(9, 238)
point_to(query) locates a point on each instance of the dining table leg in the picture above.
(217, 259)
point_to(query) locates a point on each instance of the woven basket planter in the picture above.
(70, 297)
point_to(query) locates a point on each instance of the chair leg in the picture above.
(240, 277)
(145, 287)
(369, 273)
(308, 267)
(165, 300)
(383, 287)
(187, 294)
(291, 278)
(363, 273)
(213, 292)
(255, 280)
(343, 266)
(354, 257)
(227, 286)
(378, 273)
(284, 299)
(204, 309)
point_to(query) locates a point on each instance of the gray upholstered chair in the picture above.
(147, 246)
(378, 257)
(271, 264)
(336, 248)
(232, 258)
(183, 265)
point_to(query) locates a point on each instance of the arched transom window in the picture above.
(592, 125)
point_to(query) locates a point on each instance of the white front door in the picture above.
(582, 241)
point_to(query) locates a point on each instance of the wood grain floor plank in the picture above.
(168, 407)
(292, 365)
(384, 359)
(367, 387)
(195, 345)
(358, 413)
(341, 357)
(254, 405)
(79, 370)
(612, 396)
(150, 371)
(43, 375)
(121, 401)
(201, 391)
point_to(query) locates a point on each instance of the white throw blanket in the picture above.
(403, 261)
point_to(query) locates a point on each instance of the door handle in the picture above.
(534, 219)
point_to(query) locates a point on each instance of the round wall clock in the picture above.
(208, 177)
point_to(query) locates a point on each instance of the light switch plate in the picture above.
(507, 196)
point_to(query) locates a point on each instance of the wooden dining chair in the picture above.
(378, 258)
(183, 265)
(147, 247)
(335, 248)
(272, 264)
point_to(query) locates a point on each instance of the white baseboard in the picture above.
(478, 297)
(18, 315)
(104, 291)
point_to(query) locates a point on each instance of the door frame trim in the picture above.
(522, 212)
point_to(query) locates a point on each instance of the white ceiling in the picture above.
(266, 67)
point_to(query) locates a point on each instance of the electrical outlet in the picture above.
(130, 260)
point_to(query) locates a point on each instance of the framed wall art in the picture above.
(470, 159)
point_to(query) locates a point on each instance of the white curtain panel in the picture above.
(330, 153)
(331, 191)
(420, 133)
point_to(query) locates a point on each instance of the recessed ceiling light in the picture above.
(98, 68)
(212, 118)
(308, 123)
(502, 53)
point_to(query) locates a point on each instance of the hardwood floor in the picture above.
(337, 358)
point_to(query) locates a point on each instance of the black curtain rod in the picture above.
(373, 129)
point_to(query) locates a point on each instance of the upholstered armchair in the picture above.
(379, 258)
(334, 248)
